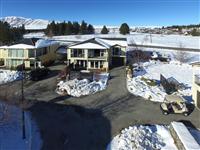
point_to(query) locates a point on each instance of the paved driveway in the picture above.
(116, 103)
(104, 113)
(123, 108)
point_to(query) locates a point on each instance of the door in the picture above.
(198, 99)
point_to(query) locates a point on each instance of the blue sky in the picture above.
(108, 12)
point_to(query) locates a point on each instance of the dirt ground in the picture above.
(89, 122)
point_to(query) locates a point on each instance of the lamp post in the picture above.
(22, 101)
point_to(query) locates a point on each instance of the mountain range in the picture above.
(32, 24)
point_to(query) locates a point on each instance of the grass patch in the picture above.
(149, 82)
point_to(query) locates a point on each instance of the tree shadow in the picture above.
(59, 98)
(71, 127)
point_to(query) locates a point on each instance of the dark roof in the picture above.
(61, 50)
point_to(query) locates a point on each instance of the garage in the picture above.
(118, 61)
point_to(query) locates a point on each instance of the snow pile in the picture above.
(83, 87)
(11, 130)
(141, 88)
(138, 85)
(143, 138)
(185, 136)
(9, 76)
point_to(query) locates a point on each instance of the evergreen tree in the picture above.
(76, 27)
(10, 35)
(83, 28)
(68, 28)
(104, 30)
(90, 29)
(124, 29)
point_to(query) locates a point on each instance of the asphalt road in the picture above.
(90, 119)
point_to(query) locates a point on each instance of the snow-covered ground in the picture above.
(83, 87)
(11, 130)
(151, 71)
(142, 137)
(9, 76)
(34, 35)
(174, 55)
(147, 137)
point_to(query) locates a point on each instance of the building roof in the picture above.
(122, 43)
(1, 47)
(21, 46)
(61, 50)
(94, 43)
(39, 44)
(196, 64)
(88, 46)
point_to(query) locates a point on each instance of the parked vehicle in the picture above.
(174, 104)
(38, 73)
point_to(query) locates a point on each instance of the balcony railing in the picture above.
(197, 79)
(81, 55)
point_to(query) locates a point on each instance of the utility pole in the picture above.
(22, 101)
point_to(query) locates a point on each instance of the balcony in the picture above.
(197, 79)
(97, 54)
(77, 53)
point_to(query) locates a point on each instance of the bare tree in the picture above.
(181, 55)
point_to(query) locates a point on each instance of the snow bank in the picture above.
(151, 71)
(44, 43)
(9, 76)
(34, 35)
(83, 87)
(184, 135)
(11, 130)
(143, 138)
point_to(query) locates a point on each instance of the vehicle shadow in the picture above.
(191, 108)
(71, 127)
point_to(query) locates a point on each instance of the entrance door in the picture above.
(117, 61)
(198, 99)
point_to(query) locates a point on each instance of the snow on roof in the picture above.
(44, 43)
(115, 42)
(184, 135)
(39, 44)
(102, 43)
(3, 46)
(21, 46)
(88, 45)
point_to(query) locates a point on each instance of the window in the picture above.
(16, 53)
(77, 53)
(92, 64)
(31, 53)
(38, 52)
(45, 51)
(101, 64)
(116, 51)
(96, 64)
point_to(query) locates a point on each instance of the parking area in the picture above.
(120, 107)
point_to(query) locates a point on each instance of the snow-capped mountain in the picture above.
(27, 22)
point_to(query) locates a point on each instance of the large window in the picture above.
(96, 53)
(77, 53)
(116, 51)
(16, 53)
(31, 53)
(13, 62)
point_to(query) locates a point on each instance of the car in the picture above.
(174, 104)
(38, 74)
